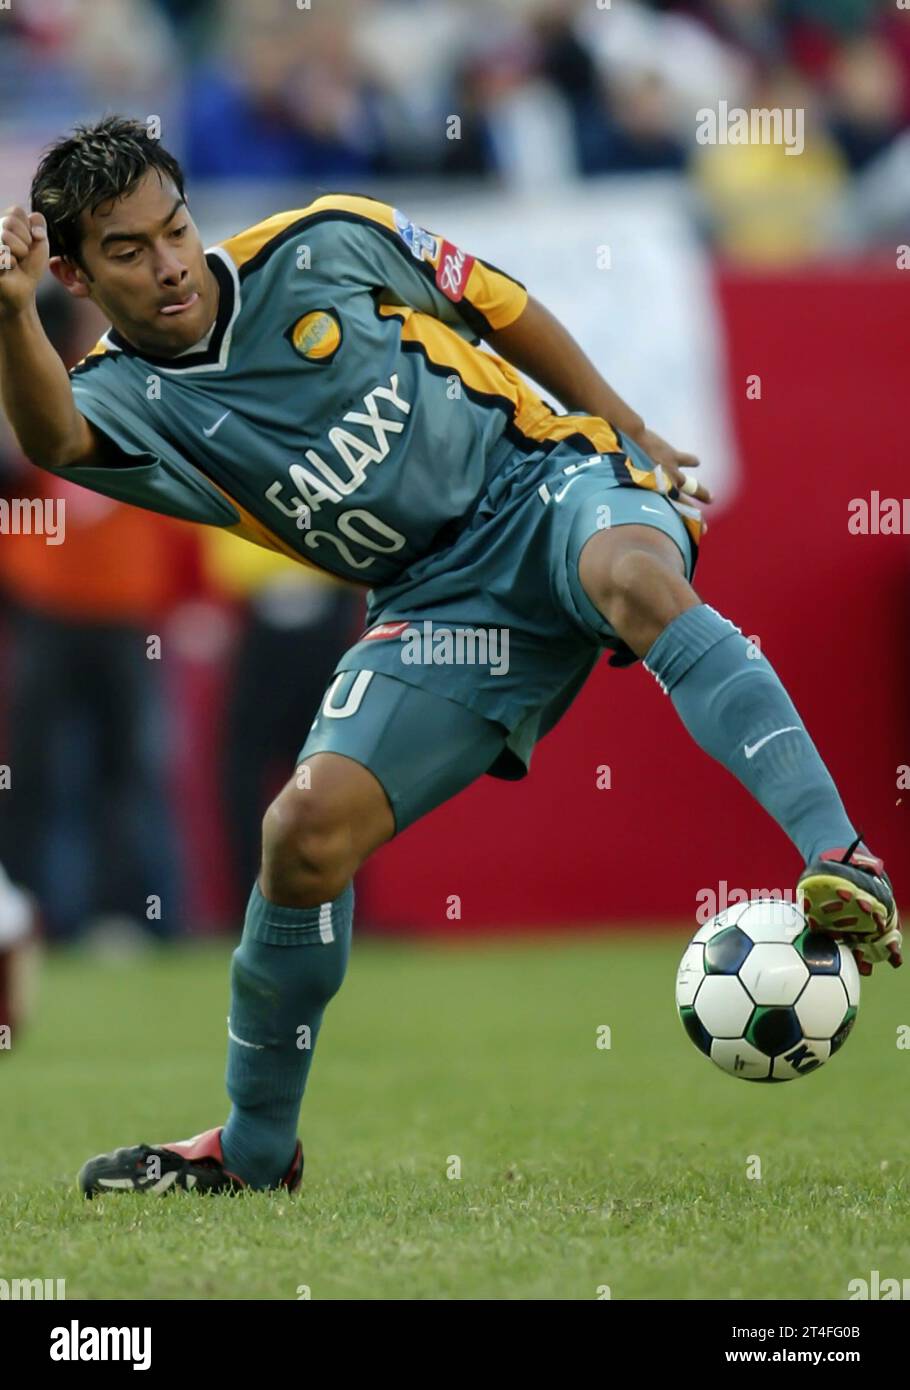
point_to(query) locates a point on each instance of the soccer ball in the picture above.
(763, 995)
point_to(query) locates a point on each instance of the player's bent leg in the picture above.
(380, 754)
(373, 765)
(735, 707)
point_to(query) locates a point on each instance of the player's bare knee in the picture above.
(628, 585)
(307, 857)
(639, 589)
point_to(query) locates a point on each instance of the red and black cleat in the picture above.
(196, 1163)
(847, 894)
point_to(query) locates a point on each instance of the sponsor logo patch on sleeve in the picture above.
(423, 245)
(452, 271)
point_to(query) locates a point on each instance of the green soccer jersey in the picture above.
(339, 411)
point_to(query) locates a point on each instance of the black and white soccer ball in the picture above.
(763, 995)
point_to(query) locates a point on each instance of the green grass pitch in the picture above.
(581, 1167)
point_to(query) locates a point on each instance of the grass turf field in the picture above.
(580, 1167)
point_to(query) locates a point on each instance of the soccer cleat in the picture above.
(196, 1163)
(848, 895)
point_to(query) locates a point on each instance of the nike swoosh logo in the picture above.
(558, 496)
(259, 1047)
(655, 510)
(751, 751)
(209, 432)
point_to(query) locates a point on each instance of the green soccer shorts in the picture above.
(479, 649)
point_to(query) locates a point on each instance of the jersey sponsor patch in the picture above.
(384, 630)
(422, 245)
(453, 271)
(316, 336)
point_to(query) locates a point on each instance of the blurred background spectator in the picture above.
(87, 829)
(526, 92)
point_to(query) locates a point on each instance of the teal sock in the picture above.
(734, 706)
(289, 964)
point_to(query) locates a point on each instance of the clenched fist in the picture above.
(23, 258)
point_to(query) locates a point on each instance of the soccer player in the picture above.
(315, 384)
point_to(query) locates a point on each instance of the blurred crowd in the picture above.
(520, 91)
(129, 771)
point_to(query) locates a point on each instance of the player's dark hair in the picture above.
(91, 166)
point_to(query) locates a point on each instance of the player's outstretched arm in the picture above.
(538, 344)
(35, 389)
